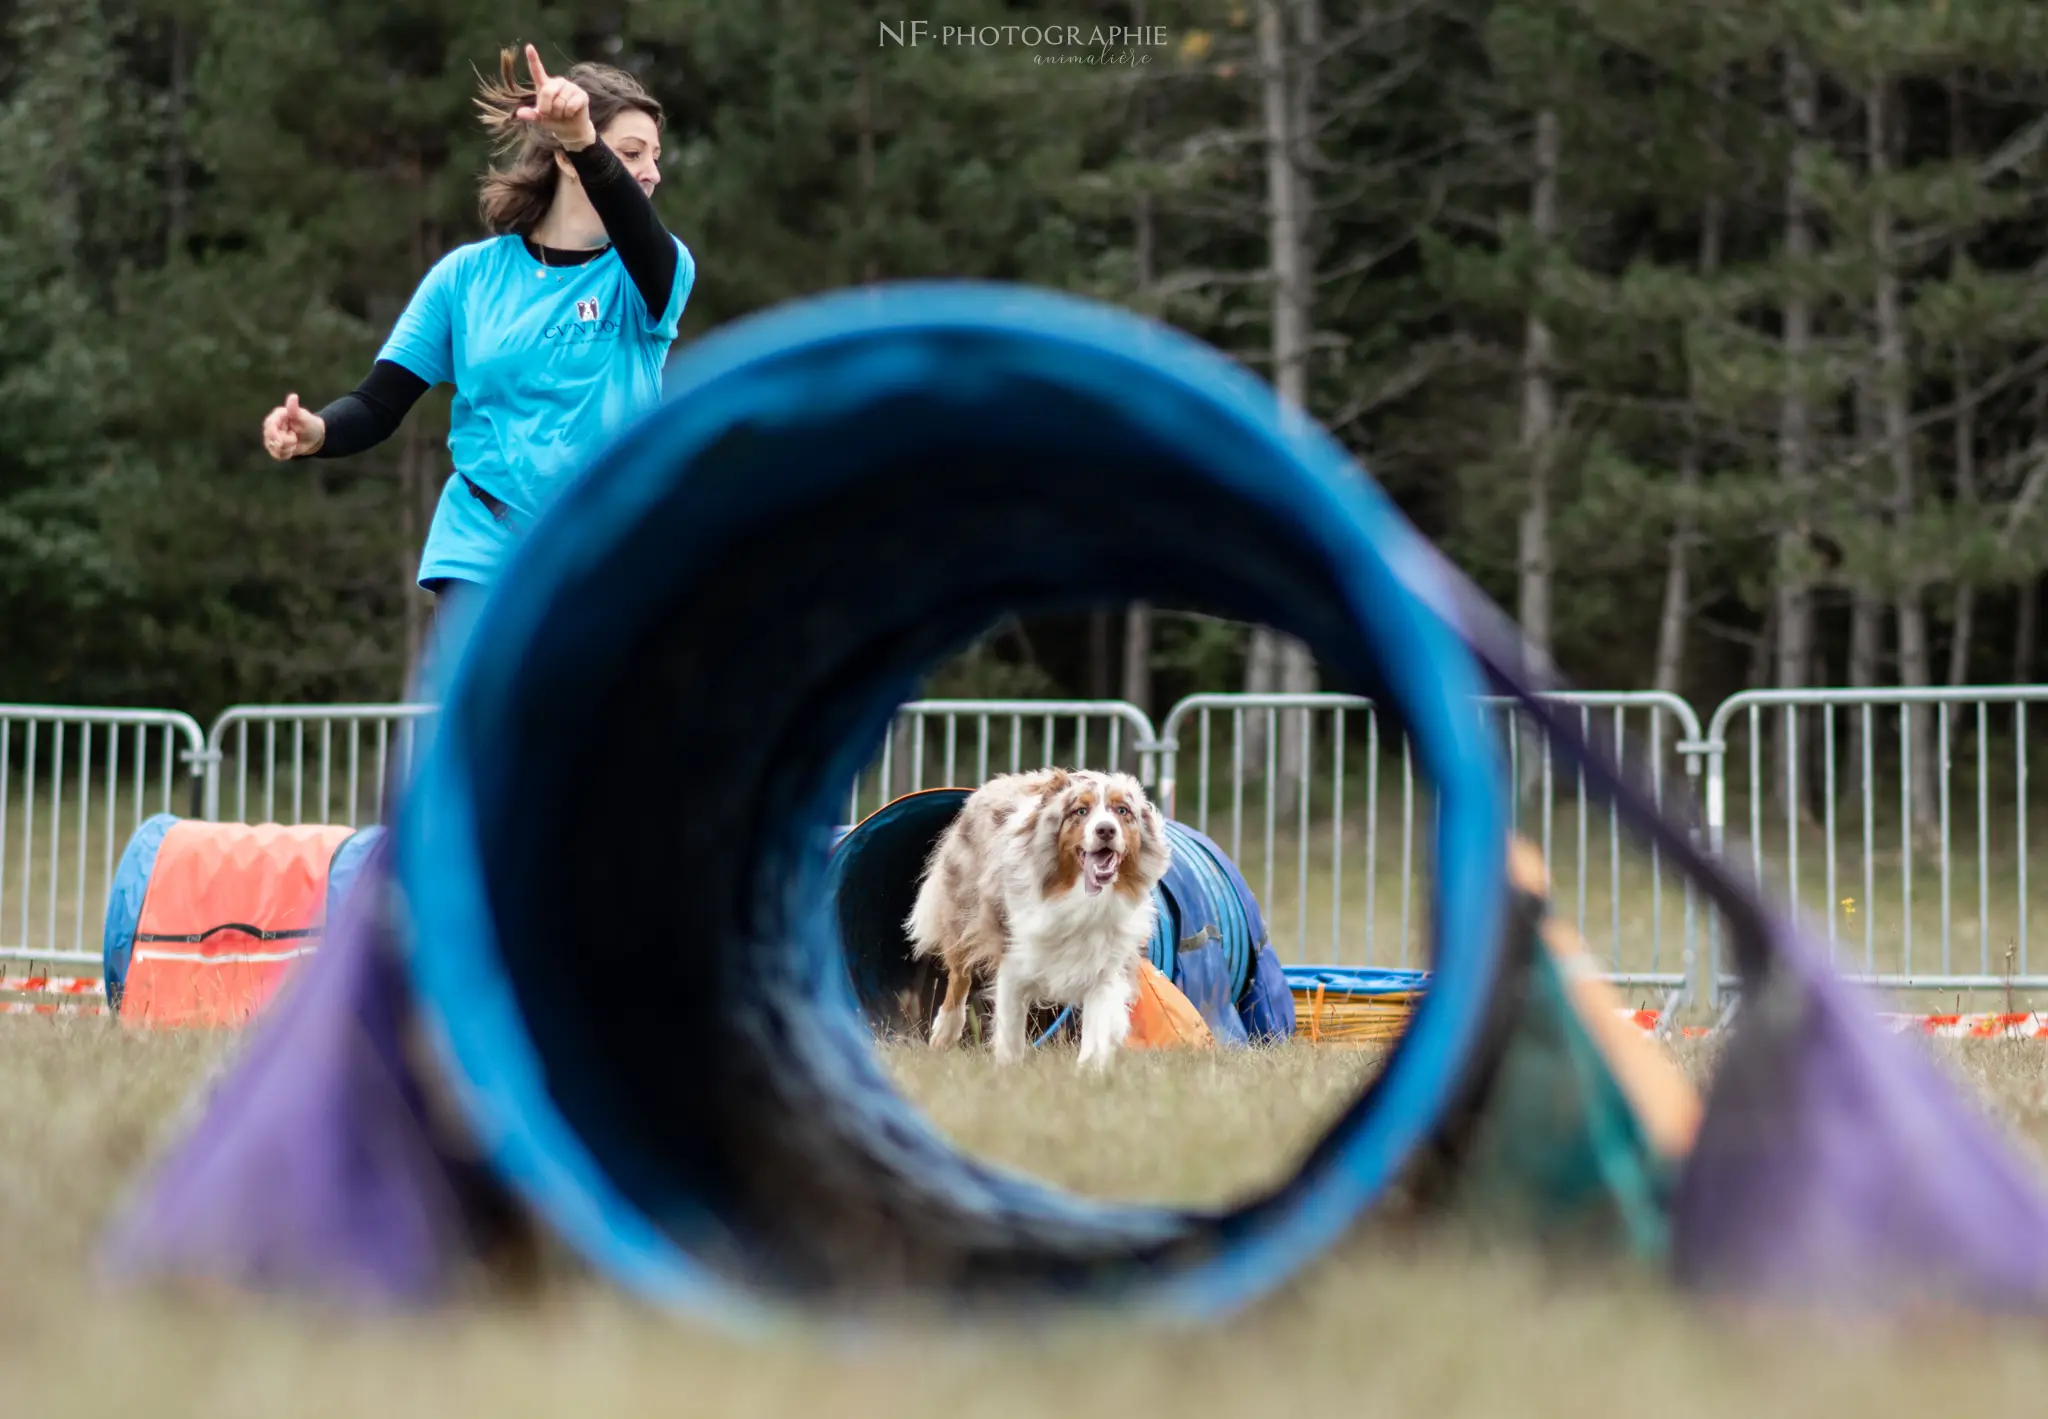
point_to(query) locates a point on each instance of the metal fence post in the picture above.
(1714, 750)
(204, 764)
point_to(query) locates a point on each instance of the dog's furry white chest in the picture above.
(1062, 947)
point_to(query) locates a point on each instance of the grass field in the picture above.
(1397, 1325)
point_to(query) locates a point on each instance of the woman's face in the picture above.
(633, 136)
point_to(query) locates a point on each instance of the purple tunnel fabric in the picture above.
(316, 1165)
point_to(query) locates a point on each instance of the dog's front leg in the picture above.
(1106, 1019)
(1013, 1008)
(952, 1016)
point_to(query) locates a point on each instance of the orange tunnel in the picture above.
(205, 919)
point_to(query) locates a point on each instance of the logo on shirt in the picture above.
(589, 327)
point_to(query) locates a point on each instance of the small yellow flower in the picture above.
(1195, 44)
(1849, 905)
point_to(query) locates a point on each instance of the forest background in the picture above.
(1708, 337)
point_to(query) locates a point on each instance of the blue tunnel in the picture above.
(678, 664)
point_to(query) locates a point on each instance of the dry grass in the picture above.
(1438, 1328)
(1189, 1130)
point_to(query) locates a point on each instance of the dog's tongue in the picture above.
(1101, 869)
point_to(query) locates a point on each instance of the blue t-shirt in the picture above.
(549, 364)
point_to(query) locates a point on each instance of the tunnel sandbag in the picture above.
(724, 1134)
(1162, 1017)
(1202, 930)
(205, 919)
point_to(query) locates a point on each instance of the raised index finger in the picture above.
(534, 67)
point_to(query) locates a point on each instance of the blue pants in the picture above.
(449, 594)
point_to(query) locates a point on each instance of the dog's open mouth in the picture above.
(1099, 869)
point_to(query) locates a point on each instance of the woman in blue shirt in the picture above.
(553, 329)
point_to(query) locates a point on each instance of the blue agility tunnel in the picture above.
(603, 926)
(124, 902)
(676, 652)
(347, 862)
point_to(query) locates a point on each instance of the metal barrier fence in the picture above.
(1823, 791)
(258, 763)
(1002, 736)
(74, 786)
(329, 763)
(1888, 880)
(1355, 856)
(332, 764)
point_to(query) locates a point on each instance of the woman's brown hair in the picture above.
(515, 196)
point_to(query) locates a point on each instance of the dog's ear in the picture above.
(1056, 781)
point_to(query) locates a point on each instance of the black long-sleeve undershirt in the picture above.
(369, 414)
(372, 411)
(644, 245)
